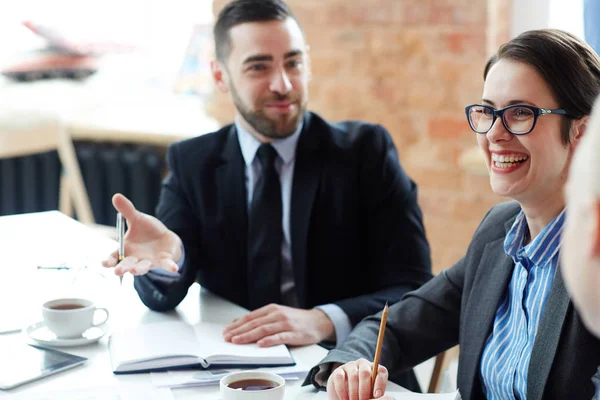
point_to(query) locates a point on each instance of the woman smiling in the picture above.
(504, 302)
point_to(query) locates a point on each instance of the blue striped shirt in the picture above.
(596, 380)
(505, 359)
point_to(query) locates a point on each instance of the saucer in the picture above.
(40, 333)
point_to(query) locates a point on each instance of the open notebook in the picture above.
(172, 345)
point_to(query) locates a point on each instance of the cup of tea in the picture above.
(69, 317)
(252, 385)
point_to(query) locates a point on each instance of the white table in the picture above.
(53, 238)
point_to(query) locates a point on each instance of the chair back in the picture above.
(442, 364)
(24, 133)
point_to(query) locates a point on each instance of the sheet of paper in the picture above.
(186, 378)
(145, 392)
(401, 396)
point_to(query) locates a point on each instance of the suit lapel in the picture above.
(547, 338)
(231, 188)
(307, 171)
(490, 284)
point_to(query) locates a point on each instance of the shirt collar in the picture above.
(541, 249)
(286, 147)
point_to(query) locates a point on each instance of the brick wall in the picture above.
(412, 66)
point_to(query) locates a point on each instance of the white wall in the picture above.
(540, 14)
(529, 14)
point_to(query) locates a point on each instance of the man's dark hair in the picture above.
(241, 11)
(570, 67)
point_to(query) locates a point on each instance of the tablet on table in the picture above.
(21, 363)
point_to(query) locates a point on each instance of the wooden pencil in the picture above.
(378, 348)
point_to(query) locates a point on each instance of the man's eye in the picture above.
(257, 67)
(293, 63)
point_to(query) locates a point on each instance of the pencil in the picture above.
(120, 236)
(378, 348)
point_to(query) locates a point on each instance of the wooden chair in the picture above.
(442, 361)
(24, 133)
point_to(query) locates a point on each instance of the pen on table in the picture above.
(378, 348)
(10, 330)
(60, 267)
(57, 267)
(121, 239)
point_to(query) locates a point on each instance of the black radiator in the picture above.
(31, 183)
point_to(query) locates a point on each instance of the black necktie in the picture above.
(265, 234)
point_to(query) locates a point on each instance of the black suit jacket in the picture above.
(459, 306)
(357, 236)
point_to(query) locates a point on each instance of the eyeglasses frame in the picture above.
(537, 112)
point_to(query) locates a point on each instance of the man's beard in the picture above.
(272, 129)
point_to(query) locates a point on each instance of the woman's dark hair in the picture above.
(570, 67)
(241, 11)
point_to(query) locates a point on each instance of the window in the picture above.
(159, 30)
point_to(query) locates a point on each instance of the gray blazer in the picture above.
(459, 305)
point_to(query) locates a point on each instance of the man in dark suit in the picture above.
(272, 211)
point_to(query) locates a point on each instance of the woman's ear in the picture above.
(578, 129)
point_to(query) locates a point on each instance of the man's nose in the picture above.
(280, 82)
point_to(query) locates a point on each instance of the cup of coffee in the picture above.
(252, 385)
(69, 317)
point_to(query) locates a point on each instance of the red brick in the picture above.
(363, 12)
(448, 128)
(444, 12)
(439, 178)
(461, 43)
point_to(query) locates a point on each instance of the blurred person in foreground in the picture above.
(270, 211)
(580, 257)
(504, 302)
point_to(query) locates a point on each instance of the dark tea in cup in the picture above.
(67, 306)
(253, 384)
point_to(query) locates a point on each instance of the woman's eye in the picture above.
(484, 111)
(521, 112)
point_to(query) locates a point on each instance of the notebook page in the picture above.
(161, 339)
(211, 342)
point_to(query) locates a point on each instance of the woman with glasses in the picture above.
(504, 302)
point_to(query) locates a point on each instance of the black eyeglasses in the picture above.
(518, 119)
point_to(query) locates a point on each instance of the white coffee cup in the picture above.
(238, 378)
(70, 317)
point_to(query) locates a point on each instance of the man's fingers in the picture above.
(142, 267)
(127, 265)
(258, 333)
(287, 337)
(247, 327)
(111, 261)
(123, 205)
(261, 312)
(168, 265)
